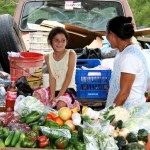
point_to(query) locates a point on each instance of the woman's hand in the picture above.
(52, 99)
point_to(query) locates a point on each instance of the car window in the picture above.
(92, 15)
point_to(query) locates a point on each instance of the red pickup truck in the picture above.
(85, 21)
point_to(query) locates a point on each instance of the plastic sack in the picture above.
(4, 78)
(97, 136)
(91, 142)
(107, 142)
(24, 105)
(23, 87)
(133, 124)
(2, 96)
(55, 133)
(140, 110)
(14, 54)
(49, 109)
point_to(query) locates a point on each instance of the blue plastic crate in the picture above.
(92, 84)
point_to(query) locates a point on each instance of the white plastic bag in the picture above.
(133, 124)
(25, 105)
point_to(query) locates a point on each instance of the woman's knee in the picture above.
(60, 104)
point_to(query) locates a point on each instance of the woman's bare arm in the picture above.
(126, 82)
(52, 80)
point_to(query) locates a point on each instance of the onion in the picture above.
(123, 132)
(65, 113)
(70, 124)
(114, 133)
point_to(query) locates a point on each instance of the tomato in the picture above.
(50, 116)
(59, 120)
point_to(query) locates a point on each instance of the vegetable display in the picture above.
(70, 130)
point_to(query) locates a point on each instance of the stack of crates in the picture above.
(38, 42)
(91, 83)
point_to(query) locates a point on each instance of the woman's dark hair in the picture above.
(122, 26)
(56, 31)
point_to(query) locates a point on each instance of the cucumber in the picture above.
(22, 136)
(9, 138)
(15, 138)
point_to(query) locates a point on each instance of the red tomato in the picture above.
(51, 116)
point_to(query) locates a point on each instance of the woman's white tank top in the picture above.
(59, 70)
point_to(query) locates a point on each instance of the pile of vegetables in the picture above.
(71, 130)
(46, 130)
(125, 138)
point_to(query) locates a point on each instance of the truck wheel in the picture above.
(10, 40)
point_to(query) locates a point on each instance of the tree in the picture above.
(141, 12)
(8, 6)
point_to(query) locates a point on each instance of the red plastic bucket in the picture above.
(30, 66)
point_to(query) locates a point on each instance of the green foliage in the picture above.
(8, 6)
(141, 11)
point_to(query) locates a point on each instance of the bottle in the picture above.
(11, 95)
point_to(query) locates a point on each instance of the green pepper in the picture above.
(35, 127)
(35, 144)
(74, 138)
(70, 147)
(25, 142)
(6, 131)
(65, 126)
(52, 146)
(61, 143)
(51, 124)
(80, 133)
(33, 118)
(42, 119)
(29, 142)
(32, 143)
(80, 145)
(33, 133)
(22, 119)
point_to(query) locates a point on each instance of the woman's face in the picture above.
(111, 38)
(59, 42)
